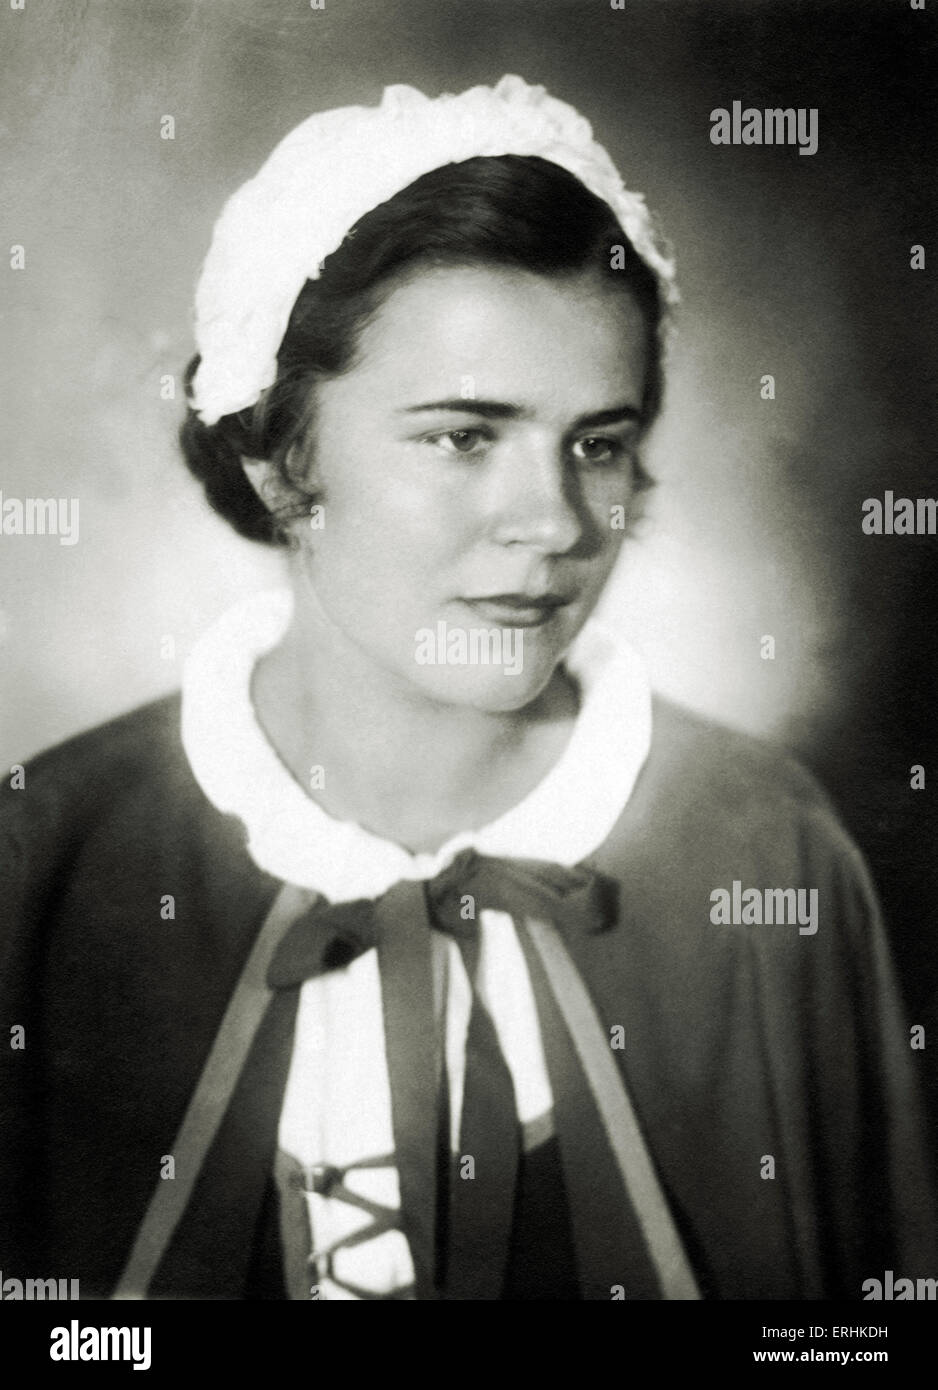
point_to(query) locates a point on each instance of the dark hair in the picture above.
(509, 210)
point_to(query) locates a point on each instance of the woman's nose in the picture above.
(535, 501)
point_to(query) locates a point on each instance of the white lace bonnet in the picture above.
(277, 229)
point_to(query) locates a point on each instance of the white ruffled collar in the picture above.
(564, 818)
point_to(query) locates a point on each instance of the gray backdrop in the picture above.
(790, 265)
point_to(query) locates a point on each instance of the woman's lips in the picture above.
(518, 610)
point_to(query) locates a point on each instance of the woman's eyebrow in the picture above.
(617, 414)
(468, 405)
(504, 410)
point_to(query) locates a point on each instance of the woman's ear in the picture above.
(297, 467)
(284, 493)
(273, 485)
(267, 481)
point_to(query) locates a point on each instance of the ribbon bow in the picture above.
(329, 936)
(617, 1218)
(478, 1214)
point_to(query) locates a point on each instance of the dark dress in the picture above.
(741, 1042)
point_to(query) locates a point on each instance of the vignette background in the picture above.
(790, 265)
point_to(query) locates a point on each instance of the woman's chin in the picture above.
(488, 688)
(496, 669)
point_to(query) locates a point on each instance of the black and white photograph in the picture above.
(469, 665)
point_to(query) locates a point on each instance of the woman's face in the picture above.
(473, 468)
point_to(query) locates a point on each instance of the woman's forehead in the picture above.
(501, 333)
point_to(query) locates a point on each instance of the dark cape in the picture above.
(740, 1044)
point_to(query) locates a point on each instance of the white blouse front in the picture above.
(337, 1105)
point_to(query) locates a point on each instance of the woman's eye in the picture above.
(594, 449)
(461, 441)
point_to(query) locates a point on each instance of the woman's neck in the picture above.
(402, 766)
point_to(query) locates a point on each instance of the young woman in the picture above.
(415, 950)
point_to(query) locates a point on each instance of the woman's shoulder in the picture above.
(725, 834)
(118, 796)
(711, 790)
(109, 832)
(129, 735)
(715, 762)
(95, 769)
